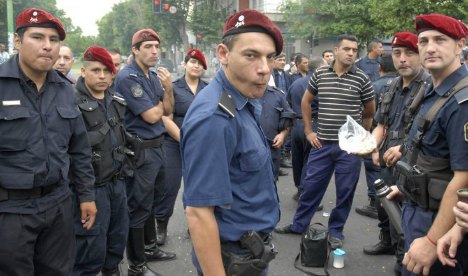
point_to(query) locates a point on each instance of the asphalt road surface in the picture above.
(359, 231)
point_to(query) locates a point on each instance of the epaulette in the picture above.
(226, 103)
(274, 88)
(462, 96)
(119, 99)
(61, 75)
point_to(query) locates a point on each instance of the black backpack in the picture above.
(314, 249)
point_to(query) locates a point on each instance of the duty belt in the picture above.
(152, 143)
(6, 194)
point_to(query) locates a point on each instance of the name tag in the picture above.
(10, 103)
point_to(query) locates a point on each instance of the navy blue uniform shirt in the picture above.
(42, 136)
(397, 109)
(183, 98)
(227, 162)
(273, 104)
(369, 66)
(140, 93)
(447, 137)
(295, 94)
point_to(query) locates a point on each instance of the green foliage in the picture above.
(21, 5)
(367, 19)
(206, 19)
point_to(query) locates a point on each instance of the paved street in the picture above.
(359, 231)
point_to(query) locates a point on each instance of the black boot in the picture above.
(136, 254)
(383, 247)
(369, 210)
(285, 161)
(152, 251)
(161, 234)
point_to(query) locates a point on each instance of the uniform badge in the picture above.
(193, 53)
(395, 40)
(466, 132)
(240, 21)
(137, 91)
(34, 18)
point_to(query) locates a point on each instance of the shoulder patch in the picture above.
(226, 103)
(137, 90)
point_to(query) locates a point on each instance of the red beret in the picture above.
(38, 18)
(444, 24)
(198, 55)
(96, 53)
(247, 21)
(405, 39)
(144, 35)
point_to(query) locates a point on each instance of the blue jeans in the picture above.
(320, 167)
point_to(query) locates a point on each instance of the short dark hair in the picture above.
(299, 58)
(326, 51)
(21, 32)
(315, 62)
(229, 40)
(386, 63)
(137, 46)
(349, 37)
(372, 44)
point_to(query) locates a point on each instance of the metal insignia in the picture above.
(466, 132)
(137, 91)
(240, 21)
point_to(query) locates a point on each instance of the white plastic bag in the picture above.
(353, 138)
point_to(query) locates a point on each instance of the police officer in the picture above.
(102, 247)
(42, 139)
(392, 117)
(185, 90)
(435, 163)
(300, 147)
(387, 72)
(276, 120)
(229, 186)
(149, 96)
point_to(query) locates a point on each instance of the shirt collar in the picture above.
(239, 100)
(11, 69)
(452, 79)
(351, 70)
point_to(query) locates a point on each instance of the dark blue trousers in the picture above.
(172, 179)
(145, 190)
(300, 149)
(373, 173)
(38, 244)
(416, 223)
(320, 167)
(102, 247)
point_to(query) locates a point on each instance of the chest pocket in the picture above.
(62, 126)
(254, 158)
(16, 126)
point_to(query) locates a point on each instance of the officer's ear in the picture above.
(222, 52)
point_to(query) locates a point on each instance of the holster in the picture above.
(135, 144)
(261, 252)
(423, 188)
(242, 265)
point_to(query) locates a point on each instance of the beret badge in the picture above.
(240, 21)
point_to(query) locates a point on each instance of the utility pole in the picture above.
(10, 25)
